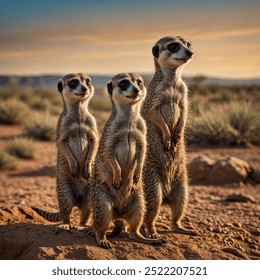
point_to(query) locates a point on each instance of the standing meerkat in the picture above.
(117, 192)
(77, 144)
(165, 112)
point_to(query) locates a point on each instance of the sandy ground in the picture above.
(226, 230)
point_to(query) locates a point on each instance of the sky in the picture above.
(113, 36)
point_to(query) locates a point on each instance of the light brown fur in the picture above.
(77, 144)
(165, 112)
(117, 192)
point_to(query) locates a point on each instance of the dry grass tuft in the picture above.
(40, 128)
(13, 111)
(22, 147)
(7, 161)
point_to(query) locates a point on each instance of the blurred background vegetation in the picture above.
(219, 115)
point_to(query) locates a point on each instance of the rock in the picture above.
(256, 175)
(229, 170)
(237, 225)
(240, 198)
(203, 170)
(199, 168)
(217, 230)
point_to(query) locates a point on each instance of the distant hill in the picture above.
(42, 81)
(50, 81)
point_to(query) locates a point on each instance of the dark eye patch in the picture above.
(173, 47)
(124, 84)
(73, 83)
(188, 45)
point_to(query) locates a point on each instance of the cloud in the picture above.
(106, 44)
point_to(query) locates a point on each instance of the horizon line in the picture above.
(141, 73)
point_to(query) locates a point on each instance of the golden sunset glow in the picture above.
(111, 36)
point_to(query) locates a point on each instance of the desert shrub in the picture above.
(7, 161)
(37, 99)
(235, 123)
(22, 147)
(40, 127)
(39, 104)
(242, 122)
(100, 103)
(208, 128)
(45, 100)
(13, 111)
(5, 93)
(255, 137)
(101, 119)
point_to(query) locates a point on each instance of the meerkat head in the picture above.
(126, 88)
(171, 52)
(76, 87)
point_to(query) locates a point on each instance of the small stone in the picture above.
(255, 247)
(240, 198)
(217, 230)
(228, 225)
(240, 237)
(240, 247)
(237, 225)
(231, 240)
(248, 240)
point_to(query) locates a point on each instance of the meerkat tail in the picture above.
(51, 217)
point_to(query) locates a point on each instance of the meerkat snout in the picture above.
(189, 52)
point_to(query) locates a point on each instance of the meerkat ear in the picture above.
(110, 88)
(59, 86)
(155, 51)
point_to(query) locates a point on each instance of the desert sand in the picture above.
(227, 229)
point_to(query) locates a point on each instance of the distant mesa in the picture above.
(50, 81)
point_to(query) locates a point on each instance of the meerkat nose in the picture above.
(83, 88)
(188, 52)
(135, 90)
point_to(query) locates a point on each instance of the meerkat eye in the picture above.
(88, 82)
(73, 83)
(124, 84)
(188, 44)
(173, 47)
(139, 82)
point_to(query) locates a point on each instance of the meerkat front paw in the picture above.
(167, 142)
(117, 179)
(74, 170)
(137, 177)
(87, 171)
(102, 241)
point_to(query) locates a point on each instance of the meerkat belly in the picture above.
(171, 113)
(125, 154)
(78, 144)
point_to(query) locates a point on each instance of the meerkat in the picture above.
(117, 192)
(165, 111)
(77, 144)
